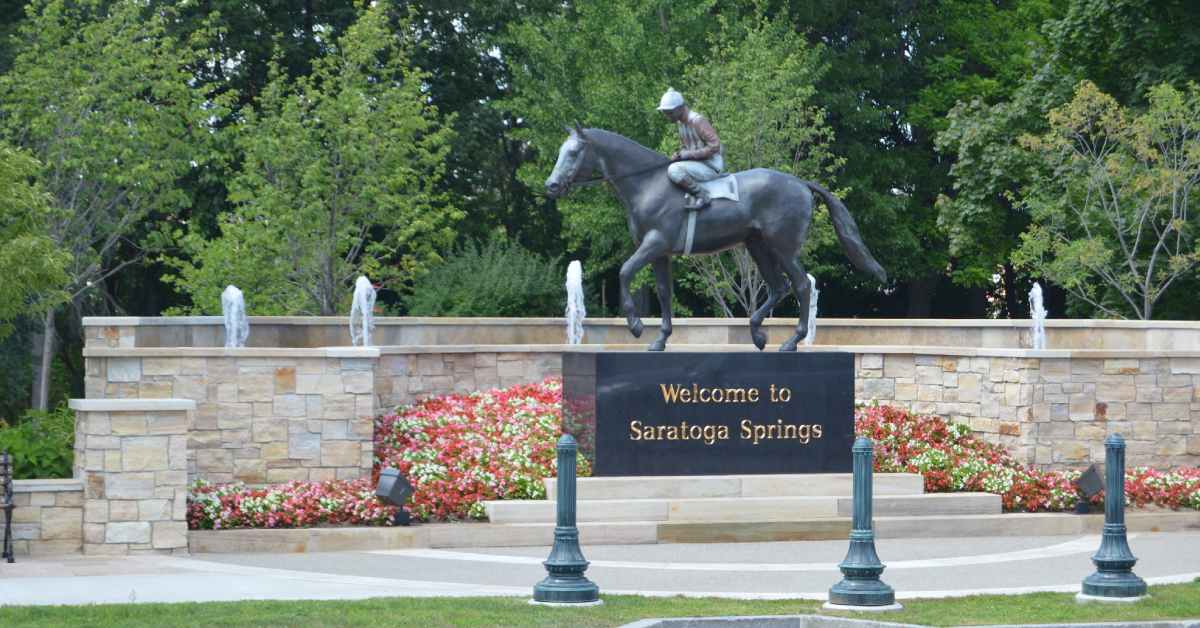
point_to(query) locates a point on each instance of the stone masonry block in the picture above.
(358, 382)
(288, 405)
(138, 485)
(256, 387)
(60, 524)
(234, 416)
(123, 510)
(128, 423)
(167, 423)
(285, 380)
(124, 370)
(95, 510)
(899, 366)
(154, 510)
(169, 535)
(339, 454)
(144, 453)
(304, 446)
(127, 532)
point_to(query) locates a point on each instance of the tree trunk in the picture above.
(920, 296)
(41, 375)
(1013, 299)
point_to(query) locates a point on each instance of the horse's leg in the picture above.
(803, 292)
(662, 280)
(775, 288)
(652, 246)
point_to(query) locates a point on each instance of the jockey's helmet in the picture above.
(670, 100)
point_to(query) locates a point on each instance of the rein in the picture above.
(610, 178)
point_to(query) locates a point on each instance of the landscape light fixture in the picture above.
(6, 504)
(1090, 484)
(394, 489)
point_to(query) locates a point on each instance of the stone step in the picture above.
(741, 508)
(471, 535)
(795, 485)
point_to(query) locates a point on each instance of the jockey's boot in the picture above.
(697, 197)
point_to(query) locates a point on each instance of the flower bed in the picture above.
(461, 450)
(951, 458)
(291, 505)
(457, 450)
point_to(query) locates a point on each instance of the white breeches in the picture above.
(697, 171)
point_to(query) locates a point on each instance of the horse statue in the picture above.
(770, 218)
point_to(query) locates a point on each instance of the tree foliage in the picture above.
(34, 267)
(604, 64)
(1113, 218)
(500, 279)
(756, 85)
(100, 96)
(338, 178)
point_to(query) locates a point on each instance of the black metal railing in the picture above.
(6, 504)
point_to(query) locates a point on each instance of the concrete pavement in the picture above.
(915, 568)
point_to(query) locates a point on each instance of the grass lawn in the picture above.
(1180, 601)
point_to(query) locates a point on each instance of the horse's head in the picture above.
(576, 162)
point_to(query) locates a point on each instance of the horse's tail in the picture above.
(847, 233)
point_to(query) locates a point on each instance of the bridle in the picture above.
(604, 175)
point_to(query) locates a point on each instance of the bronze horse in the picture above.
(771, 219)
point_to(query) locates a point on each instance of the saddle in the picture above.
(722, 187)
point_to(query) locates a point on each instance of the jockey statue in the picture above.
(700, 157)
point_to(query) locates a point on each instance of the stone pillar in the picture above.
(131, 455)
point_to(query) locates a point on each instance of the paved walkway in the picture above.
(915, 568)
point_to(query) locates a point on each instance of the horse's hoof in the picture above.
(790, 345)
(759, 338)
(635, 328)
(658, 345)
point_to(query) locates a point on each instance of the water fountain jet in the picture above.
(233, 310)
(576, 311)
(362, 312)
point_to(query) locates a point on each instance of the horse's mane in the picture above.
(633, 155)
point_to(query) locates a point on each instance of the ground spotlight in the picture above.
(1090, 484)
(394, 489)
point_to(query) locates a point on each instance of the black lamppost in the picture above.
(565, 583)
(861, 588)
(1114, 580)
(6, 502)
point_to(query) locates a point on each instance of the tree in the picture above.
(99, 94)
(31, 265)
(1113, 219)
(338, 178)
(501, 278)
(604, 64)
(756, 85)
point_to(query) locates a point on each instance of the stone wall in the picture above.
(262, 415)
(408, 374)
(131, 456)
(48, 518)
(333, 331)
(1051, 411)
(272, 415)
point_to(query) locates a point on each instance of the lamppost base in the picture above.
(1084, 598)
(573, 591)
(865, 593)
(829, 606)
(1116, 586)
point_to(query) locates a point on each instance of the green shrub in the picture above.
(501, 279)
(41, 444)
